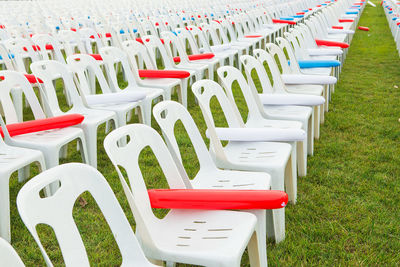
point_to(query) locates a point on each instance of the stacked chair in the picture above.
(120, 59)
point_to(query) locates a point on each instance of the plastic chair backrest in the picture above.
(88, 36)
(137, 51)
(170, 37)
(228, 75)
(153, 44)
(251, 64)
(56, 211)
(12, 80)
(127, 157)
(6, 57)
(44, 39)
(285, 46)
(8, 256)
(187, 38)
(198, 35)
(167, 114)
(81, 64)
(49, 71)
(69, 39)
(113, 55)
(264, 57)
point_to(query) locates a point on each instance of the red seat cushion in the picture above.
(220, 199)
(196, 57)
(345, 20)
(96, 56)
(180, 74)
(331, 43)
(141, 41)
(337, 27)
(49, 47)
(32, 78)
(283, 21)
(253, 36)
(43, 124)
(363, 28)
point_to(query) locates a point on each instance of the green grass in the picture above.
(348, 205)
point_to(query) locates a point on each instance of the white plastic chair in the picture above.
(295, 89)
(304, 114)
(81, 64)
(8, 256)
(56, 211)
(43, 40)
(203, 69)
(138, 56)
(209, 238)
(11, 160)
(51, 70)
(49, 142)
(256, 117)
(271, 157)
(112, 56)
(209, 176)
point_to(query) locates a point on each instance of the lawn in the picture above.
(348, 205)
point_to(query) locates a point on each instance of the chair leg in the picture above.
(317, 113)
(258, 248)
(302, 158)
(5, 231)
(310, 141)
(291, 180)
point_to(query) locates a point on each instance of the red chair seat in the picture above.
(196, 57)
(337, 27)
(331, 43)
(32, 78)
(345, 20)
(220, 199)
(253, 36)
(96, 56)
(43, 124)
(283, 21)
(180, 74)
(363, 28)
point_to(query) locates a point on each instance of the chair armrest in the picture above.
(217, 199)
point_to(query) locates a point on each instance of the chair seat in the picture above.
(289, 112)
(281, 124)
(258, 155)
(226, 179)
(164, 82)
(205, 237)
(50, 137)
(12, 158)
(305, 89)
